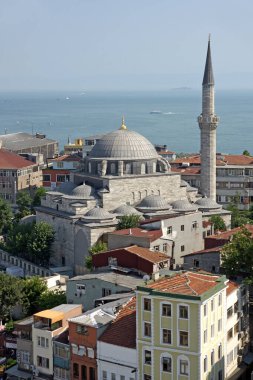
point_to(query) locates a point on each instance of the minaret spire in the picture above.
(208, 123)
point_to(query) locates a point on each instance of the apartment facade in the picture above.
(183, 326)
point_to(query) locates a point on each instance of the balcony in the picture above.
(61, 363)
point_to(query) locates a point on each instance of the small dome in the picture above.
(183, 206)
(123, 145)
(28, 219)
(153, 202)
(82, 191)
(126, 210)
(98, 214)
(66, 187)
(206, 204)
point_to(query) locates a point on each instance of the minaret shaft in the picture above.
(208, 123)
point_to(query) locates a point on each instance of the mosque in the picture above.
(123, 175)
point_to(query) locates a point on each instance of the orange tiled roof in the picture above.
(232, 286)
(221, 160)
(138, 232)
(145, 253)
(188, 283)
(67, 157)
(122, 331)
(203, 251)
(228, 234)
(10, 160)
(189, 170)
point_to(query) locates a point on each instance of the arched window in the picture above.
(143, 168)
(128, 168)
(139, 194)
(89, 167)
(183, 365)
(166, 363)
(154, 167)
(113, 168)
(133, 194)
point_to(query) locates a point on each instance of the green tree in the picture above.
(11, 294)
(33, 288)
(128, 221)
(246, 153)
(6, 216)
(96, 248)
(40, 243)
(24, 202)
(237, 255)
(39, 193)
(218, 223)
(50, 299)
(238, 218)
(18, 238)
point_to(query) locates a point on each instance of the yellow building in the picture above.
(182, 327)
(77, 146)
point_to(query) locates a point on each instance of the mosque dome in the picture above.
(98, 214)
(66, 187)
(153, 203)
(28, 219)
(183, 205)
(126, 210)
(82, 191)
(206, 204)
(123, 144)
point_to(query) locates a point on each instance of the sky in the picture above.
(123, 44)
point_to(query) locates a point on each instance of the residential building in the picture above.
(23, 142)
(116, 347)
(89, 143)
(47, 325)
(61, 356)
(17, 173)
(165, 153)
(184, 324)
(132, 259)
(24, 354)
(75, 147)
(207, 259)
(224, 237)
(86, 289)
(234, 177)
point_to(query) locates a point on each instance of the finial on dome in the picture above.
(123, 126)
(209, 37)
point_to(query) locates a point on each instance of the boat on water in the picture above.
(155, 112)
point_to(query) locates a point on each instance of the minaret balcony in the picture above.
(209, 119)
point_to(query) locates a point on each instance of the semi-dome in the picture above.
(126, 210)
(82, 191)
(207, 204)
(153, 202)
(123, 145)
(66, 187)
(98, 214)
(183, 205)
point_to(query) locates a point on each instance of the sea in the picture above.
(69, 115)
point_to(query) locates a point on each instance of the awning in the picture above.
(54, 315)
(15, 372)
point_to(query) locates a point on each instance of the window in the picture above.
(60, 178)
(106, 292)
(183, 312)
(220, 299)
(230, 312)
(212, 330)
(104, 374)
(205, 310)
(219, 324)
(194, 224)
(169, 230)
(230, 334)
(182, 227)
(147, 377)
(122, 377)
(42, 342)
(212, 358)
(24, 357)
(166, 364)
(230, 357)
(156, 248)
(184, 367)
(113, 376)
(81, 329)
(183, 338)
(75, 369)
(166, 336)
(220, 351)
(42, 362)
(59, 165)
(92, 373)
(205, 364)
(147, 357)
(236, 307)
(205, 336)
(220, 375)
(147, 329)
(147, 304)
(182, 248)
(46, 177)
(84, 372)
(166, 310)
(80, 288)
(236, 328)
(212, 305)
(196, 263)
(165, 247)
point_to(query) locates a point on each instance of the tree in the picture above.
(11, 294)
(237, 255)
(39, 193)
(40, 243)
(6, 216)
(218, 223)
(238, 218)
(18, 238)
(128, 221)
(50, 299)
(33, 288)
(24, 202)
(246, 153)
(96, 248)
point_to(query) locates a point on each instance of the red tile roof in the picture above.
(67, 157)
(10, 160)
(227, 234)
(187, 171)
(138, 232)
(122, 331)
(203, 251)
(187, 283)
(232, 286)
(145, 253)
(221, 160)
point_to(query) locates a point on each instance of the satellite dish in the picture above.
(146, 277)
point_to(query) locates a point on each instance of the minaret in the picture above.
(208, 123)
